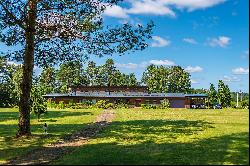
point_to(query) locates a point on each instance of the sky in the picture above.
(208, 38)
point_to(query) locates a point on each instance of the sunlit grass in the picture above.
(136, 136)
(174, 136)
(60, 123)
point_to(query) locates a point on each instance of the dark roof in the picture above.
(196, 95)
(123, 95)
(98, 86)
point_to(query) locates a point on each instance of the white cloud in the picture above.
(192, 4)
(193, 81)
(159, 7)
(190, 40)
(162, 62)
(127, 65)
(12, 63)
(150, 7)
(144, 64)
(116, 11)
(240, 70)
(195, 69)
(132, 65)
(231, 79)
(160, 42)
(221, 41)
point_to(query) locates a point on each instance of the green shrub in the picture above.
(71, 103)
(245, 104)
(148, 106)
(109, 106)
(39, 104)
(61, 105)
(233, 104)
(121, 105)
(165, 104)
(52, 104)
(72, 107)
(100, 104)
(88, 103)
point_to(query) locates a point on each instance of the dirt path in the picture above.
(52, 152)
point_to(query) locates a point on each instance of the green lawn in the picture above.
(61, 122)
(169, 137)
(136, 136)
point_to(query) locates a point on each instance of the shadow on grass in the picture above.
(161, 142)
(227, 149)
(61, 114)
(154, 142)
(150, 142)
(11, 147)
(47, 120)
(151, 128)
(5, 116)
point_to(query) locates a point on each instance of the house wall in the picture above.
(187, 102)
(174, 102)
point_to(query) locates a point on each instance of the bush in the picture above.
(52, 104)
(148, 106)
(71, 103)
(61, 105)
(165, 104)
(104, 105)
(121, 105)
(39, 108)
(245, 104)
(233, 104)
(88, 103)
(109, 106)
(100, 104)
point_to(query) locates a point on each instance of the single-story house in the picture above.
(134, 96)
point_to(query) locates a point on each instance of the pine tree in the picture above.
(213, 98)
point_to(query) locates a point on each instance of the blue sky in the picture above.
(208, 38)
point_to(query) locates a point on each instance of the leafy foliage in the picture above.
(212, 95)
(51, 32)
(165, 104)
(224, 95)
(39, 104)
(169, 80)
(10, 78)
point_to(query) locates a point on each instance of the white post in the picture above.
(237, 99)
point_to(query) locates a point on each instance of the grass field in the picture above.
(61, 122)
(169, 137)
(175, 136)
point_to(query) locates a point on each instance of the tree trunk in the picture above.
(28, 65)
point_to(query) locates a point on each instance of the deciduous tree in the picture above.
(169, 80)
(49, 32)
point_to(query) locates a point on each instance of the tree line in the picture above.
(158, 79)
(73, 73)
